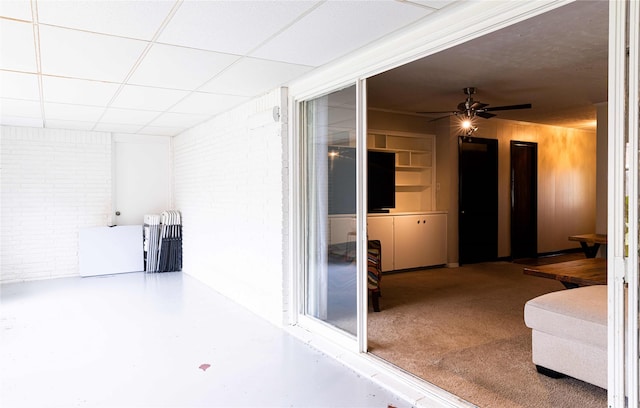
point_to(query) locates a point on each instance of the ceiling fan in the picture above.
(470, 108)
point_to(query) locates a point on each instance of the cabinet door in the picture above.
(381, 228)
(408, 241)
(435, 230)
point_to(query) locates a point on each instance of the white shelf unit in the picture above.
(415, 167)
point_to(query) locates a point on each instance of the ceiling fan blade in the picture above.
(427, 113)
(485, 115)
(510, 107)
(441, 117)
(478, 105)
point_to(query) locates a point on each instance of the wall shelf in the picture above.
(415, 167)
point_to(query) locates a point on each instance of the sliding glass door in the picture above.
(331, 233)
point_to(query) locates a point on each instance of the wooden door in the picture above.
(524, 200)
(478, 199)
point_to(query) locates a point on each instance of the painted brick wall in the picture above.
(229, 179)
(54, 182)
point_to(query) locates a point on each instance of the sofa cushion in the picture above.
(578, 314)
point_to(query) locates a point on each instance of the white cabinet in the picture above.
(436, 239)
(409, 241)
(414, 240)
(420, 240)
(381, 228)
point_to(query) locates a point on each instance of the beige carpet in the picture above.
(462, 329)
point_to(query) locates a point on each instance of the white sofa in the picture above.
(569, 333)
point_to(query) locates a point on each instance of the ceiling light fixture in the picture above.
(467, 126)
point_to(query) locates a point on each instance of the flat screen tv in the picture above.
(381, 181)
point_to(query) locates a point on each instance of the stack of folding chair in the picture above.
(170, 250)
(163, 242)
(151, 242)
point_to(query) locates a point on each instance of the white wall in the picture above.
(54, 182)
(230, 175)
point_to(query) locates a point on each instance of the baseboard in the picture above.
(421, 268)
(560, 252)
(546, 254)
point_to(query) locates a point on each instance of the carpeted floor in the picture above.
(462, 329)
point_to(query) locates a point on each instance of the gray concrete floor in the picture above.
(159, 340)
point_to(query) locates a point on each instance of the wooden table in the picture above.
(583, 272)
(594, 239)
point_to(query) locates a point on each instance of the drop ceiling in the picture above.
(161, 67)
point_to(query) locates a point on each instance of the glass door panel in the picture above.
(331, 268)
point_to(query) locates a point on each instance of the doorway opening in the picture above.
(478, 199)
(524, 199)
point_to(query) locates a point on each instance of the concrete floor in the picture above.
(159, 340)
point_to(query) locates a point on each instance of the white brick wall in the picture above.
(54, 182)
(229, 183)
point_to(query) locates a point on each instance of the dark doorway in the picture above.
(524, 200)
(478, 199)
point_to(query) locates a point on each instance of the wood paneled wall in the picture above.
(566, 177)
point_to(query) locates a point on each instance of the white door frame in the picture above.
(622, 252)
(361, 215)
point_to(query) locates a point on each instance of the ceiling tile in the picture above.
(20, 121)
(19, 9)
(161, 131)
(77, 91)
(354, 24)
(169, 66)
(64, 111)
(19, 107)
(208, 104)
(117, 128)
(69, 124)
(434, 4)
(85, 55)
(234, 27)
(134, 19)
(178, 120)
(128, 116)
(17, 48)
(19, 86)
(147, 98)
(252, 76)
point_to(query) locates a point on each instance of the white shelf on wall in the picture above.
(415, 167)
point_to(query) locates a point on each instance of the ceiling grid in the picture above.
(161, 67)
